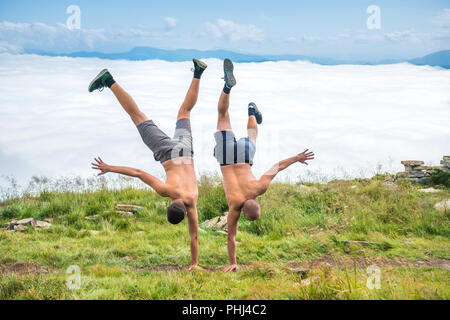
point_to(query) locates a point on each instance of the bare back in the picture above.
(182, 180)
(240, 184)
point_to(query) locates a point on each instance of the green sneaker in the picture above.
(199, 65)
(99, 81)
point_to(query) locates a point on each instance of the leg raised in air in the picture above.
(254, 118)
(105, 79)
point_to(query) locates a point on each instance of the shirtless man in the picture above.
(236, 158)
(175, 154)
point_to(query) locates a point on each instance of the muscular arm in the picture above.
(193, 233)
(266, 179)
(233, 218)
(159, 186)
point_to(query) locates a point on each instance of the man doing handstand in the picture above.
(236, 158)
(175, 154)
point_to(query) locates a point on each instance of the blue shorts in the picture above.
(229, 151)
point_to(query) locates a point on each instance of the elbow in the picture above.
(139, 173)
(263, 188)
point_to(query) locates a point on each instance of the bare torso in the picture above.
(240, 184)
(181, 180)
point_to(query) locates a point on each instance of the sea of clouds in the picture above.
(357, 119)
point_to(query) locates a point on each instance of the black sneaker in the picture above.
(99, 81)
(199, 65)
(230, 81)
(257, 113)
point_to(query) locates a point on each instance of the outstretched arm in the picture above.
(266, 179)
(233, 218)
(193, 233)
(159, 186)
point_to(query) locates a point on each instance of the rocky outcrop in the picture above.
(128, 210)
(445, 163)
(217, 223)
(417, 172)
(24, 224)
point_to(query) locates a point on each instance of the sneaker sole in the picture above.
(201, 64)
(228, 70)
(96, 78)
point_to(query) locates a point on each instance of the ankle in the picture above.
(226, 90)
(198, 73)
(110, 81)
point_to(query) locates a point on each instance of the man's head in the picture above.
(252, 210)
(176, 212)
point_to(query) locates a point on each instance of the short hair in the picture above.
(252, 210)
(176, 212)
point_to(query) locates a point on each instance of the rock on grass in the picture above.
(22, 225)
(443, 205)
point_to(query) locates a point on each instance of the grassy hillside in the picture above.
(145, 257)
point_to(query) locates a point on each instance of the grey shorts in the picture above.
(229, 151)
(165, 148)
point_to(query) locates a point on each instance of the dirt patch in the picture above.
(336, 262)
(163, 268)
(364, 262)
(23, 268)
(172, 268)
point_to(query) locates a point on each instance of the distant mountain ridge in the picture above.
(440, 58)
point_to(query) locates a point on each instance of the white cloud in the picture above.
(40, 35)
(442, 20)
(367, 36)
(291, 40)
(227, 29)
(400, 35)
(441, 32)
(8, 47)
(17, 36)
(360, 35)
(304, 38)
(171, 23)
(359, 116)
(309, 38)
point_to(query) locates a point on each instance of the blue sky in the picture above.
(335, 29)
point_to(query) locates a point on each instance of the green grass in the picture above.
(296, 227)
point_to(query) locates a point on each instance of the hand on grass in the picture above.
(100, 165)
(305, 155)
(230, 268)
